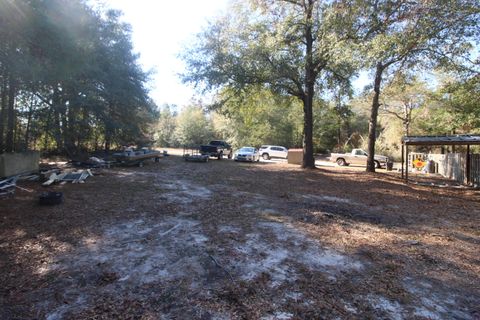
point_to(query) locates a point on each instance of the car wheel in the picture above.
(229, 156)
(377, 165)
(265, 156)
(220, 156)
(341, 162)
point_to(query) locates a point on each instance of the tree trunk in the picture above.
(71, 114)
(3, 111)
(80, 132)
(47, 130)
(308, 159)
(57, 133)
(9, 147)
(339, 133)
(108, 136)
(372, 125)
(108, 141)
(96, 142)
(29, 121)
(83, 134)
(64, 122)
(408, 115)
(70, 127)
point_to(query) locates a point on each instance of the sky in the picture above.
(160, 29)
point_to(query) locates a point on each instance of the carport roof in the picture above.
(441, 140)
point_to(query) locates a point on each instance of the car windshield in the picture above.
(360, 152)
(247, 149)
(215, 143)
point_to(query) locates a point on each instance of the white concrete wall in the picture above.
(12, 164)
(451, 165)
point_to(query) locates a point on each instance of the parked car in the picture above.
(216, 148)
(247, 154)
(357, 156)
(268, 152)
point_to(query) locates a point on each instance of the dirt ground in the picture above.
(227, 240)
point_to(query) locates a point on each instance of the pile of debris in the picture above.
(127, 157)
(78, 176)
(8, 185)
(93, 162)
(53, 174)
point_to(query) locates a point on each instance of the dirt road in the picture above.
(226, 240)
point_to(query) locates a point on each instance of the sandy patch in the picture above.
(326, 198)
(184, 192)
(277, 248)
(127, 255)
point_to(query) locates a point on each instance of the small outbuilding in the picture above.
(472, 163)
(295, 156)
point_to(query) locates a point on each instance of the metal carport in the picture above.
(453, 140)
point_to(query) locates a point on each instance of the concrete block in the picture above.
(12, 164)
(295, 156)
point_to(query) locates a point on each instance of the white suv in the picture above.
(268, 152)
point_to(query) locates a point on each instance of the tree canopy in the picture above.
(281, 72)
(291, 47)
(308, 49)
(69, 78)
(395, 36)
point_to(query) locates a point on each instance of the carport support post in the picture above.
(406, 162)
(403, 156)
(468, 164)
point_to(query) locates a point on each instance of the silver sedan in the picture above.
(247, 154)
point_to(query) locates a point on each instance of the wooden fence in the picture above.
(453, 166)
(475, 169)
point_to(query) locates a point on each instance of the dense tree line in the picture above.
(259, 117)
(311, 49)
(281, 71)
(69, 79)
(409, 104)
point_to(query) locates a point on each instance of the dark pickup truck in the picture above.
(217, 148)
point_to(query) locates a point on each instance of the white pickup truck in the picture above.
(357, 156)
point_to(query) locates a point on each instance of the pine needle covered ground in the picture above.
(226, 240)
